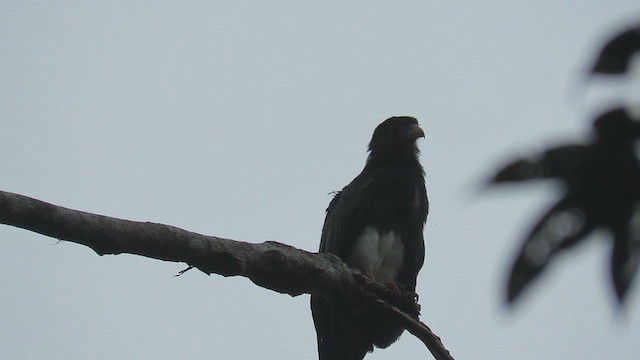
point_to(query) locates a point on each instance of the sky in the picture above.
(239, 118)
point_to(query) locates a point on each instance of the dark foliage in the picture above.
(601, 182)
(615, 57)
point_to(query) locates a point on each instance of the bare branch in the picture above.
(419, 330)
(271, 265)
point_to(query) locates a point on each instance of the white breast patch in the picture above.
(378, 254)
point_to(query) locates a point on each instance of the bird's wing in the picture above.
(346, 216)
(414, 244)
(337, 340)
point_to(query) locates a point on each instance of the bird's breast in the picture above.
(379, 254)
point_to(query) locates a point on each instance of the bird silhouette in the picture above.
(375, 225)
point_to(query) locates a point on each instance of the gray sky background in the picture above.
(237, 118)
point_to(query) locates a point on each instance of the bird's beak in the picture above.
(416, 132)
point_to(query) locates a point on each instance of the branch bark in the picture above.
(275, 266)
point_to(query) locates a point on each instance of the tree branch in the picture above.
(271, 265)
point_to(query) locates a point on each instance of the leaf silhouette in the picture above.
(615, 56)
(558, 162)
(601, 182)
(625, 255)
(563, 226)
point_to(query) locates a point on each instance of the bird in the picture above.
(375, 224)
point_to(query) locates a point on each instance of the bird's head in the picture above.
(396, 135)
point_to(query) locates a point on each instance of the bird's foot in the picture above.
(394, 290)
(406, 301)
(409, 303)
(411, 296)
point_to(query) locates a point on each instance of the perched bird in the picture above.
(375, 224)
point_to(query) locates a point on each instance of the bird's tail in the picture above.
(336, 337)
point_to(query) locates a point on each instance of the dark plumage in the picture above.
(375, 224)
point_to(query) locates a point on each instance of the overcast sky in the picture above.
(238, 118)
